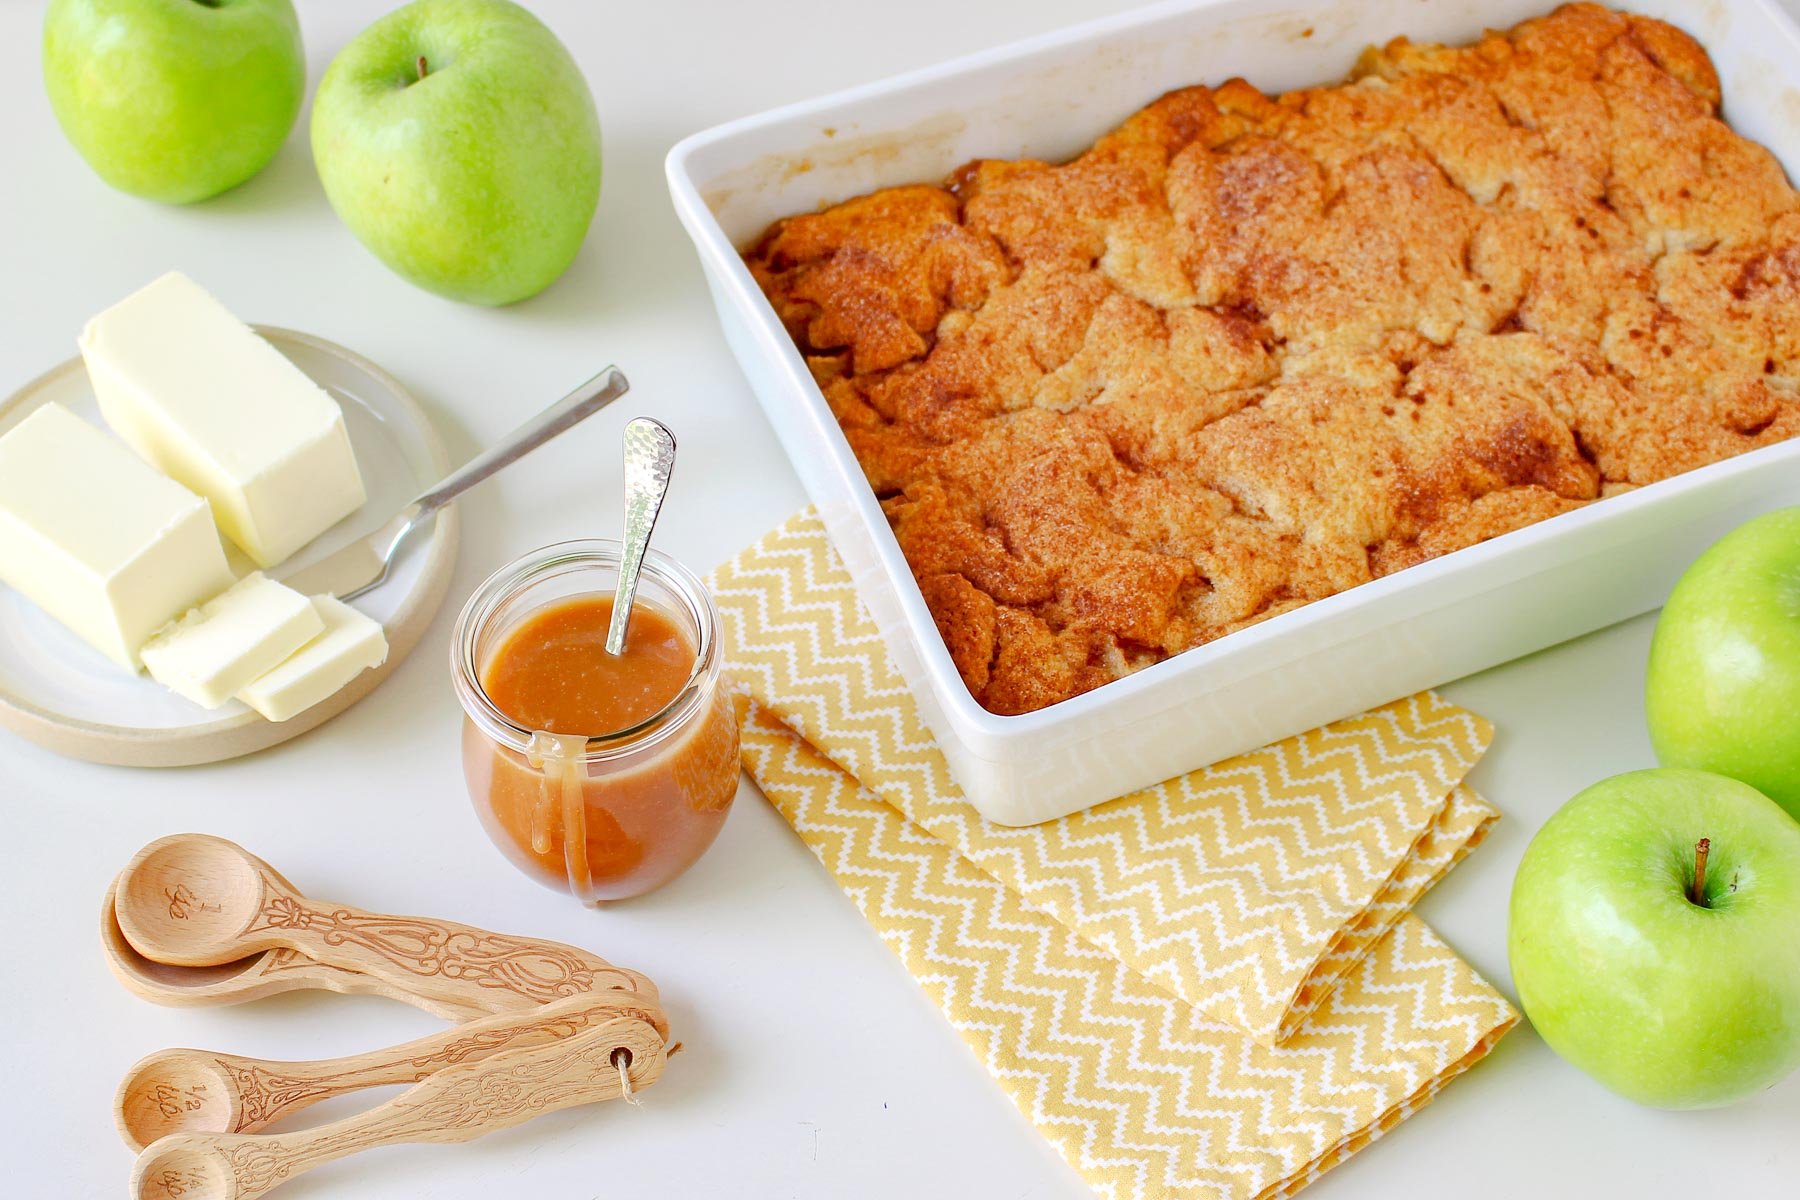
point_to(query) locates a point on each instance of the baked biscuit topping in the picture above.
(1249, 351)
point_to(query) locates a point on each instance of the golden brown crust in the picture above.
(1249, 351)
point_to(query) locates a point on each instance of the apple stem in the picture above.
(1701, 849)
(421, 65)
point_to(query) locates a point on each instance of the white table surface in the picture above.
(814, 1065)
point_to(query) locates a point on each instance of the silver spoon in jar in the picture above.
(649, 460)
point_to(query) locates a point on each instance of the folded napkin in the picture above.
(1212, 987)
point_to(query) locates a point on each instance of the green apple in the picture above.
(458, 140)
(174, 100)
(1723, 689)
(1668, 999)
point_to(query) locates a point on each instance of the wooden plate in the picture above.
(61, 693)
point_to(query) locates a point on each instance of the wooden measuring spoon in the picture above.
(456, 1104)
(266, 974)
(177, 1091)
(196, 900)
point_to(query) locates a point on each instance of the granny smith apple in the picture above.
(458, 140)
(1723, 689)
(1672, 993)
(174, 100)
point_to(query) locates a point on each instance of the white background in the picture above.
(814, 1067)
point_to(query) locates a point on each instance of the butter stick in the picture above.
(232, 639)
(351, 644)
(96, 538)
(204, 399)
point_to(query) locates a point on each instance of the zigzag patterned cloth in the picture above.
(1211, 988)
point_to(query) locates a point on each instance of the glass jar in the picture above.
(623, 812)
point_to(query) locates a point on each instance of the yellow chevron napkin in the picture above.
(1210, 988)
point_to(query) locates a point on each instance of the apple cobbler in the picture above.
(1249, 351)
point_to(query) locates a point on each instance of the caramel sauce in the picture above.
(611, 826)
(553, 672)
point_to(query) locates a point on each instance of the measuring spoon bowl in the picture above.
(191, 900)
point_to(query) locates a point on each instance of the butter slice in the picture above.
(244, 631)
(96, 538)
(350, 645)
(201, 397)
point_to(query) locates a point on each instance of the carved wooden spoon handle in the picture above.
(456, 1104)
(441, 959)
(261, 1092)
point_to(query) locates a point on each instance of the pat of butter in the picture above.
(97, 539)
(200, 396)
(244, 631)
(350, 645)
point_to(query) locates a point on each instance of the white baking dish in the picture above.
(1048, 98)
